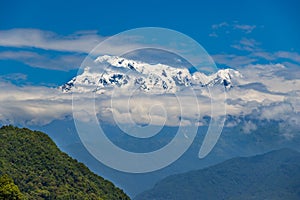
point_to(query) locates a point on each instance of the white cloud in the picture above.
(256, 55)
(220, 25)
(277, 111)
(226, 28)
(232, 60)
(32, 105)
(77, 42)
(248, 127)
(17, 77)
(263, 91)
(45, 49)
(262, 54)
(244, 27)
(57, 62)
(213, 34)
(251, 50)
(293, 56)
(247, 44)
(271, 77)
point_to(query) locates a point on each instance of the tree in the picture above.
(8, 189)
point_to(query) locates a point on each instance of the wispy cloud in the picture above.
(213, 34)
(233, 60)
(293, 56)
(83, 41)
(244, 27)
(246, 44)
(226, 28)
(14, 77)
(79, 42)
(248, 127)
(251, 52)
(220, 25)
(247, 50)
(62, 62)
(46, 49)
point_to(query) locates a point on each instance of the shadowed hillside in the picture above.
(275, 175)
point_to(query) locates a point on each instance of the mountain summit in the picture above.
(114, 71)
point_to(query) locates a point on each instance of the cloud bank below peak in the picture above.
(262, 93)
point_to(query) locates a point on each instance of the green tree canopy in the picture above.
(42, 171)
(8, 189)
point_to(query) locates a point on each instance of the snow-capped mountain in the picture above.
(113, 71)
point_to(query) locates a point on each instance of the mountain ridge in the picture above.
(155, 78)
(273, 175)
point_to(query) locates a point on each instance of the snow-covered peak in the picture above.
(228, 74)
(153, 78)
(225, 77)
(117, 61)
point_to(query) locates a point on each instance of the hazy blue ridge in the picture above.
(274, 175)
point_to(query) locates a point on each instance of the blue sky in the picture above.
(219, 26)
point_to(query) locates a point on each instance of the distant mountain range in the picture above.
(42, 171)
(274, 175)
(114, 71)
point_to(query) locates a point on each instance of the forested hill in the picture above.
(274, 175)
(41, 171)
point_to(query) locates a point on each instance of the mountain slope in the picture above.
(275, 175)
(42, 171)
